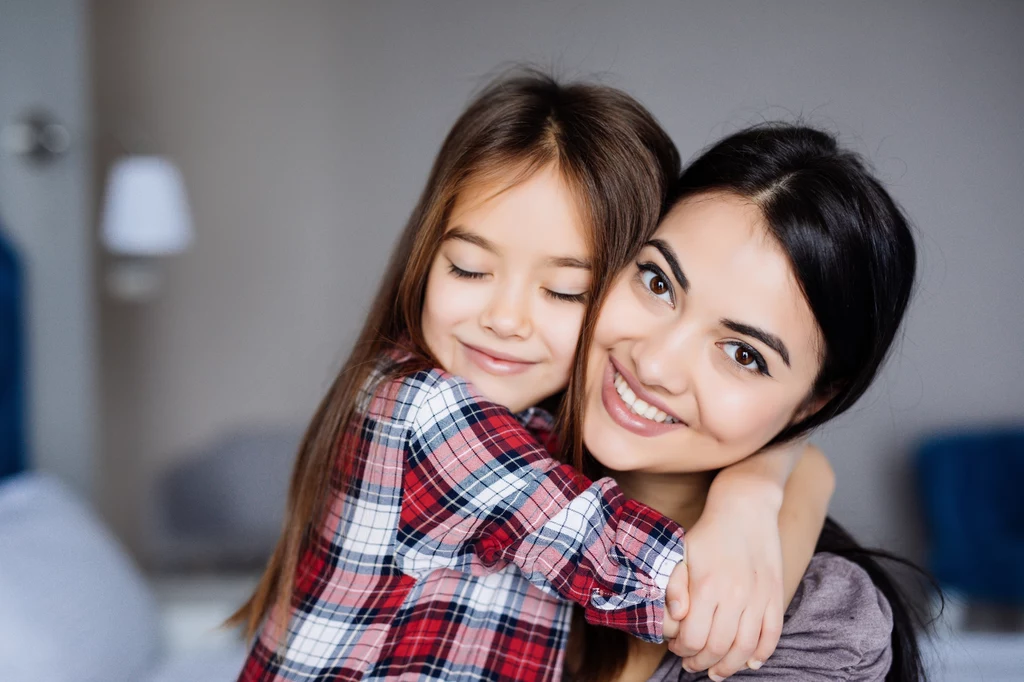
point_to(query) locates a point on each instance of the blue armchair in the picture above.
(972, 490)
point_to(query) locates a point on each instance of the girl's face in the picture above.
(505, 294)
(704, 350)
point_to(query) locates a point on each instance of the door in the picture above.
(46, 209)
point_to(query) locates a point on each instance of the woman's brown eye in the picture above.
(658, 285)
(744, 357)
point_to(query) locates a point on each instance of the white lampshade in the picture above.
(145, 212)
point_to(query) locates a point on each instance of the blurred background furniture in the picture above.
(12, 437)
(74, 608)
(971, 491)
(220, 507)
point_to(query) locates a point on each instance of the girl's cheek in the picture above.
(563, 333)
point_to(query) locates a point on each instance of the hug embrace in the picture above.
(578, 350)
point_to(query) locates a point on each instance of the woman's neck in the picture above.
(680, 497)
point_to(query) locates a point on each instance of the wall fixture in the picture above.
(146, 219)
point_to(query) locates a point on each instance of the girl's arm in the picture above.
(480, 493)
(748, 553)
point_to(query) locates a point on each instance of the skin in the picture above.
(504, 299)
(729, 349)
(681, 344)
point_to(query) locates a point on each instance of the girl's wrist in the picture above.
(733, 489)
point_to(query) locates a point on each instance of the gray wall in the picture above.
(46, 209)
(305, 132)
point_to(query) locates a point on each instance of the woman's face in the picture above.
(705, 349)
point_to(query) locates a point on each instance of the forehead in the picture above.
(737, 270)
(538, 212)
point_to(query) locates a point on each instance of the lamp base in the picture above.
(133, 279)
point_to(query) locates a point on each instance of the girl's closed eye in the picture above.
(465, 274)
(566, 298)
(745, 356)
(655, 282)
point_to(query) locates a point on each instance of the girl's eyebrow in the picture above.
(568, 262)
(466, 236)
(770, 340)
(673, 263)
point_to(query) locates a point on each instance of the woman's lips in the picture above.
(622, 415)
(492, 362)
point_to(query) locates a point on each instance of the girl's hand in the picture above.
(734, 559)
(677, 601)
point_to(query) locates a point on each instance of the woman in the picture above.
(762, 307)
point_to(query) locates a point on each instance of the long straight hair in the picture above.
(853, 254)
(617, 162)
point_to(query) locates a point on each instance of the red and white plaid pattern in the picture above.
(454, 549)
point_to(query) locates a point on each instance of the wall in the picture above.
(46, 210)
(305, 133)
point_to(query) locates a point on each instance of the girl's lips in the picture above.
(495, 363)
(622, 415)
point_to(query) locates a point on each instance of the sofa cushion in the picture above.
(72, 604)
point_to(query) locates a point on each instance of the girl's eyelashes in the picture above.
(567, 298)
(655, 282)
(746, 356)
(465, 274)
(554, 295)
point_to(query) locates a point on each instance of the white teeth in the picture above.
(640, 407)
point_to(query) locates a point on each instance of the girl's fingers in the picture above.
(743, 647)
(694, 629)
(771, 631)
(719, 640)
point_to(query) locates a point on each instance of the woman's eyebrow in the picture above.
(464, 235)
(770, 340)
(673, 263)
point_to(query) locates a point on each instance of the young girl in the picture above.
(428, 535)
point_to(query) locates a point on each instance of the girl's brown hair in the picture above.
(616, 161)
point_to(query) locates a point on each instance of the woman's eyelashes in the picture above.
(655, 282)
(746, 356)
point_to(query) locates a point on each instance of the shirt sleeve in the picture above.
(480, 493)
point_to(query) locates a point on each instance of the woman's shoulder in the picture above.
(838, 627)
(838, 602)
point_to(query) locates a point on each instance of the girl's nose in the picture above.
(508, 315)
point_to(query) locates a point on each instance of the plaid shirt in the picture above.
(455, 548)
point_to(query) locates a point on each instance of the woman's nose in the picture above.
(664, 359)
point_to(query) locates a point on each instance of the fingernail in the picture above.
(754, 664)
(715, 678)
(675, 609)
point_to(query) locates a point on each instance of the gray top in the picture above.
(837, 628)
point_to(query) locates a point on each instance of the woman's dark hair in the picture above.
(848, 242)
(852, 252)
